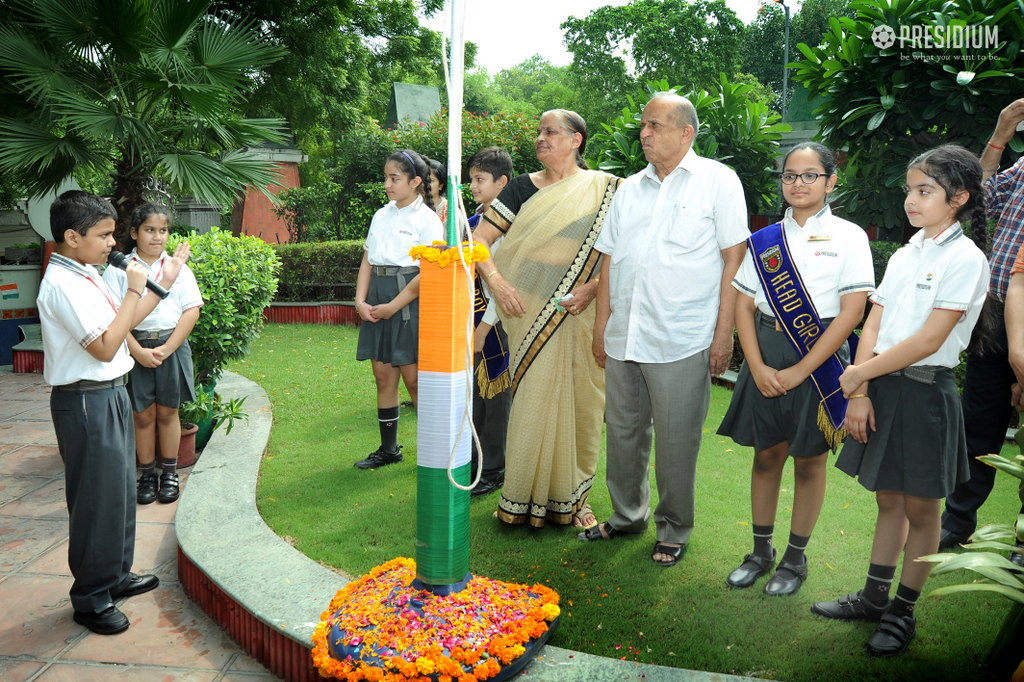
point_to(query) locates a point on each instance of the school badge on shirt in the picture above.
(772, 259)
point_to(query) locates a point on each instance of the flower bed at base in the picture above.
(382, 628)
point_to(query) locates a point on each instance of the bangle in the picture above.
(995, 146)
(359, 304)
(490, 274)
(136, 291)
(858, 395)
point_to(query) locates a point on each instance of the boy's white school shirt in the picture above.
(183, 294)
(75, 308)
(394, 231)
(944, 272)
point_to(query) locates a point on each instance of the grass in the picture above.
(615, 602)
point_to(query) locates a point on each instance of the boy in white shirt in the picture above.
(86, 360)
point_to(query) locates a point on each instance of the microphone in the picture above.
(117, 259)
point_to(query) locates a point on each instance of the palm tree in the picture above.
(138, 89)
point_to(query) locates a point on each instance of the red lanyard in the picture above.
(105, 294)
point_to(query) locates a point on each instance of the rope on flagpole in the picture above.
(454, 78)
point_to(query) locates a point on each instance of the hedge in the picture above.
(318, 271)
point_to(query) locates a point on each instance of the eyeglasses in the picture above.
(808, 178)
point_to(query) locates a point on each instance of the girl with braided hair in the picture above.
(904, 416)
(387, 292)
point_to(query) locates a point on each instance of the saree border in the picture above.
(550, 317)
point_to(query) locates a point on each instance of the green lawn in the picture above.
(615, 601)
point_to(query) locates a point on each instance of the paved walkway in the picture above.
(170, 638)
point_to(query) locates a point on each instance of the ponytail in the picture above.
(957, 170)
(415, 166)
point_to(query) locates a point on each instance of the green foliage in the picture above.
(341, 59)
(324, 271)
(735, 129)
(534, 86)
(881, 252)
(209, 406)
(238, 279)
(1001, 576)
(615, 49)
(339, 202)
(147, 88)
(888, 105)
(763, 45)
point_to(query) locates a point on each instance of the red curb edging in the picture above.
(27, 361)
(281, 655)
(312, 313)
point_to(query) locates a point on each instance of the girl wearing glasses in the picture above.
(775, 407)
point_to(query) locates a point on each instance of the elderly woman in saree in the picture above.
(550, 220)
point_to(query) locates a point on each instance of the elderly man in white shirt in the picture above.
(673, 241)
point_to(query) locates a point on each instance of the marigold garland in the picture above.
(463, 637)
(440, 254)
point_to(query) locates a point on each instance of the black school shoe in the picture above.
(137, 584)
(752, 568)
(380, 458)
(168, 488)
(779, 586)
(851, 607)
(110, 621)
(486, 486)
(1017, 557)
(893, 635)
(147, 489)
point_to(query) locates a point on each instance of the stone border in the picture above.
(268, 596)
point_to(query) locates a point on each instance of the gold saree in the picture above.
(554, 430)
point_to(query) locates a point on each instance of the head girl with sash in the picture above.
(905, 419)
(803, 287)
(387, 292)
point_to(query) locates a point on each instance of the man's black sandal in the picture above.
(675, 552)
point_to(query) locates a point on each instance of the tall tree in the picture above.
(142, 88)
(339, 53)
(535, 85)
(764, 41)
(617, 48)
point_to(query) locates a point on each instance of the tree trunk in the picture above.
(129, 189)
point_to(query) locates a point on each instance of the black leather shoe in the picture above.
(780, 586)
(168, 488)
(1017, 557)
(110, 621)
(138, 584)
(485, 487)
(950, 540)
(752, 568)
(893, 635)
(147, 489)
(380, 458)
(850, 607)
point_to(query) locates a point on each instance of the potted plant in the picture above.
(201, 417)
(26, 254)
(1000, 576)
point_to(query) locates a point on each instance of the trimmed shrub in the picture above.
(325, 271)
(238, 279)
(880, 254)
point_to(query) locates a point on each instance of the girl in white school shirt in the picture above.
(904, 416)
(774, 408)
(162, 376)
(387, 292)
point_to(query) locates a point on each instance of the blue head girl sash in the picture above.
(492, 375)
(797, 316)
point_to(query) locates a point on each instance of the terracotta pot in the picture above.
(187, 448)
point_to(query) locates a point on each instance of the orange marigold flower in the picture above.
(424, 665)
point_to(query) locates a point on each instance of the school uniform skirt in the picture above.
(758, 422)
(394, 341)
(918, 445)
(170, 384)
